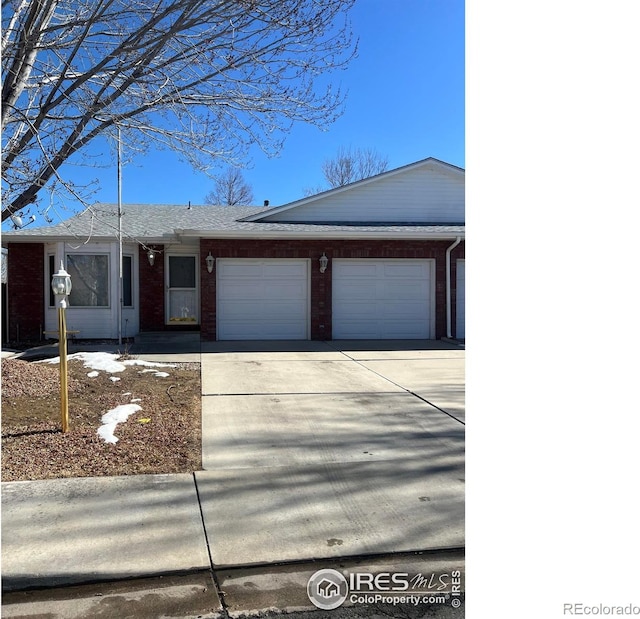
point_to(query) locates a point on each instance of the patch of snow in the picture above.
(112, 418)
(108, 362)
(149, 364)
(105, 361)
(115, 379)
(93, 374)
(155, 373)
(136, 399)
(128, 393)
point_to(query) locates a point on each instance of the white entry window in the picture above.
(182, 290)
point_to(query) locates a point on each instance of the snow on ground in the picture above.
(149, 364)
(112, 418)
(108, 362)
(155, 373)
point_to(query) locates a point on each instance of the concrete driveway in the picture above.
(331, 449)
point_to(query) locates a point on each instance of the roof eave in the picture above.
(313, 235)
(171, 238)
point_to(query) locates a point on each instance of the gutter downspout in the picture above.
(448, 267)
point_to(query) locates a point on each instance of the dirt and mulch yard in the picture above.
(163, 436)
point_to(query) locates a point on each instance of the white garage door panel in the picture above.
(404, 290)
(460, 299)
(355, 290)
(249, 290)
(279, 311)
(262, 299)
(256, 269)
(413, 271)
(358, 270)
(382, 299)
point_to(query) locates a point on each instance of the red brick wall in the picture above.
(321, 282)
(152, 296)
(25, 291)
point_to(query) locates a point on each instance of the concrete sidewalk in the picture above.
(312, 451)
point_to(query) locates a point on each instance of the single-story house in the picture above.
(381, 258)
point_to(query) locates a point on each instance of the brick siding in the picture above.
(321, 300)
(25, 291)
(152, 297)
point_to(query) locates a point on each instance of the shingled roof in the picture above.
(169, 223)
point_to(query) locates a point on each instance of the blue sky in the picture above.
(405, 99)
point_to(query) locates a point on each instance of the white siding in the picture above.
(427, 194)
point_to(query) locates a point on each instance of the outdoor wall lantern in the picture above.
(61, 286)
(210, 260)
(324, 261)
(152, 257)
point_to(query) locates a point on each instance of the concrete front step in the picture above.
(160, 337)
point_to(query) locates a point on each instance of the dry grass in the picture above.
(34, 447)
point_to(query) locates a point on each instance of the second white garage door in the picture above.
(460, 301)
(262, 299)
(383, 299)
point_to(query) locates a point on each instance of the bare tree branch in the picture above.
(208, 80)
(350, 165)
(230, 189)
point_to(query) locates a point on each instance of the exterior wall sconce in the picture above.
(324, 261)
(210, 260)
(152, 257)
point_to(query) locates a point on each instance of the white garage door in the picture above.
(382, 299)
(460, 303)
(262, 299)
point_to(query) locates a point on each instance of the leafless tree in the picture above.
(350, 165)
(353, 164)
(205, 79)
(230, 189)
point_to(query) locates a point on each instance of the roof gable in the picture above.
(427, 192)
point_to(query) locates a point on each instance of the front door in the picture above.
(182, 290)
